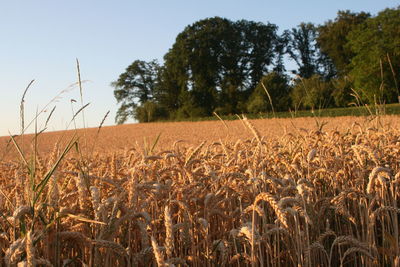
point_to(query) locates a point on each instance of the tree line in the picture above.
(232, 67)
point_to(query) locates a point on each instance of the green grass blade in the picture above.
(20, 152)
(155, 143)
(39, 188)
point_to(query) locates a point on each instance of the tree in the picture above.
(248, 57)
(259, 44)
(332, 38)
(135, 86)
(302, 47)
(374, 67)
(276, 86)
(216, 63)
(191, 64)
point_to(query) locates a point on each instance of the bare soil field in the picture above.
(280, 192)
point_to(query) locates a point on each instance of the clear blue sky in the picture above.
(41, 39)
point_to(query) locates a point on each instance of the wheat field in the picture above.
(281, 192)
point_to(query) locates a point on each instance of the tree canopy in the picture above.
(136, 85)
(219, 65)
(332, 38)
(216, 63)
(376, 61)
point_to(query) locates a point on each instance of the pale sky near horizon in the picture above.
(41, 40)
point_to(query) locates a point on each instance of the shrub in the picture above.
(150, 111)
(277, 87)
(313, 93)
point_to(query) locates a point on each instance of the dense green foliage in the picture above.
(302, 47)
(314, 93)
(332, 38)
(375, 65)
(272, 85)
(215, 64)
(138, 84)
(230, 67)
